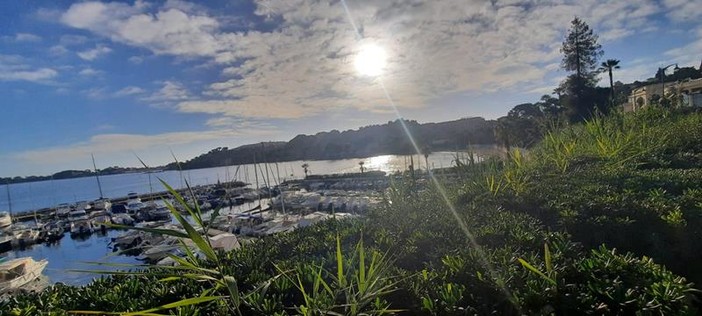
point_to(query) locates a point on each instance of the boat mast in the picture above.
(258, 190)
(97, 175)
(282, 196)
(9, 199)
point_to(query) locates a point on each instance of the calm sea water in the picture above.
(72, 254)
(41, 194)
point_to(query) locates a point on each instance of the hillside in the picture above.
(367, 141)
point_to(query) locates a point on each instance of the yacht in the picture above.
(63, 209)
(83, 205)
(133, 196)
(16, 273)
(80, 223)
(134, 206)
(5, 220)
(102, 204)
(100, 219)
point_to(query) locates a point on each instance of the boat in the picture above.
(159, 251)
(6, 243)
(24, 237)
(134, 206)
(83, 205)
(159, 213)
(52, 231)
(133, 196)
(5, 220)
(80, 223)
(102, 204)
(63, 209)
(100, 219)
(122, 219)
(16, 273)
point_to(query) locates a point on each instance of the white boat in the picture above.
(24, 236)
(83, 205)
(102, 204)
(16, 273)
(133, 196)
(77, 215)
(81, 227)
(157, 252)
(63, 209)
(134, 206)
(5, 220)
(100, 219)
(122, 219)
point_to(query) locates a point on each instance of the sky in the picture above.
(147, 78)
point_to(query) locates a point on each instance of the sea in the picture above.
(68, 254)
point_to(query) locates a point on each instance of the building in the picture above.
(689, 93)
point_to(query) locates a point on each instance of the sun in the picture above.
(370, 61)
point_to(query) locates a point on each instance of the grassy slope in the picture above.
(630, 182)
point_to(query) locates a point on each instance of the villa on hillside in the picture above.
(689, 92)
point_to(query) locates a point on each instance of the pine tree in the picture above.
(580, 55)
(581, 50)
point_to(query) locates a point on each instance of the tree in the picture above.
(580, 50)
(580, 54)
(306, 168)
(550, 107)
(608, 66)
(526, 110)
(361, 163)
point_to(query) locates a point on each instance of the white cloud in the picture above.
(169, 93)
(72, 39)
(16, 68)
(171, 31)
(304, 65)
(27, 37)
(94, 53)
(690, 53)
(129, 90)
(684, 10)
(89, 72)
(136, 60)
(58, 50)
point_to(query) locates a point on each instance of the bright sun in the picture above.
(370, 61)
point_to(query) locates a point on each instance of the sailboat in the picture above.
(102, 203)
(6, 217)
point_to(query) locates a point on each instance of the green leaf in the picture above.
(547, 258)
(181, 303)
(535, 270)
(339, 262)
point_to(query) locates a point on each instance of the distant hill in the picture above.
(389, 138)
(69, 174)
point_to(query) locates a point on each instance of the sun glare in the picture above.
(370, 61)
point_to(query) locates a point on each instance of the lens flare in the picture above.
(370, 61)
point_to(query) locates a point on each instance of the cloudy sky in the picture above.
(145, 77)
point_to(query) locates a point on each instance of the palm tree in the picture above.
(361, 163)
(608, 66)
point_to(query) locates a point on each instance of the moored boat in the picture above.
(63, 209)
(5, 220)
(16, 273)
(52, 231)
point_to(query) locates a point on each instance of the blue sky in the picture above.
(146, 77)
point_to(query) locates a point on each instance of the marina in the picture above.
(70, 235)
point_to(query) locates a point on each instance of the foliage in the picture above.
(534, 233)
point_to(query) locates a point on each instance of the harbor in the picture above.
(71, 235)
